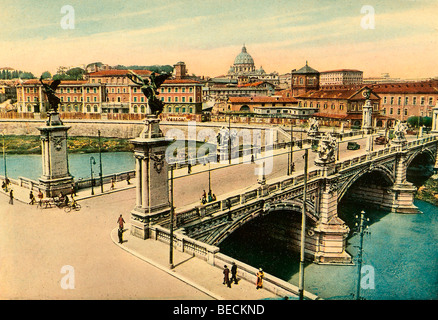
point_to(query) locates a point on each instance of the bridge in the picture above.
(377, 177)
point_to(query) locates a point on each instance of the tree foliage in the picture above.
(415, 121)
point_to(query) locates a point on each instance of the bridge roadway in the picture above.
(35, 243)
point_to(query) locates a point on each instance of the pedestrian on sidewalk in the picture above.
(128, 179)
(234, 273)
(11, 197)
(260, 276)
(112, 184)
(120, 221)
(227, 277)
(120, 234)
(31, 197)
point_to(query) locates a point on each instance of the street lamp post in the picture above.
(361, 230)
(92, 161)
(171, 219)
(303, 228)
(100, 164)
(209, 177)
(4, 162)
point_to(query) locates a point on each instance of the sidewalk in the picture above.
(191, 270)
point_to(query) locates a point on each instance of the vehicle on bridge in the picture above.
(353, 146)
(381, 140)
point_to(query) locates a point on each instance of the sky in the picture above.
(207, 35)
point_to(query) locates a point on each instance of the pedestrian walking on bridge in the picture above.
(11, 197)
(227, 276)
(260, 276)
(233, 273)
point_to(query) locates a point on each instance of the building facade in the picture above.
(341, 77)
(304, 80)
(111, 91)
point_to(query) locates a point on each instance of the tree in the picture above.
(415, 121)
(46, 75)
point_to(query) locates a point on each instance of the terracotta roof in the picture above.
(63, 82)
(252, 84)
(262, 99)
(407, 87)
(117, 72)
(180, 81)
(329, 115)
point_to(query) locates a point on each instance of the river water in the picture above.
(401, 251)
(29, 166)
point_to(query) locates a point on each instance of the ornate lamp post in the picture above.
(361, 230)
(4, 162)
(92, 161)
(100, 164)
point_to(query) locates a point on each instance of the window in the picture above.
(169, 99)
(414, 100)
(169, 109)
(183, 110)
(392, 100)
(406, 112)
(176, 89)
(406, 100)
(391, 111)
(135, 90)
(176, 98)
(183, 99)
(398, 111)
(325, 105)
(183, 90)
(430, 101)
(95, 99)
(399, 101)
(385, 100)
(135, 99)
(169, 90)
(190, 99)
(88, 90)
(190, 89)
(88, 109)
(422, 101)
(95, 108)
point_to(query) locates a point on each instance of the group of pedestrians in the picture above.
(227, 280)
(208, 198)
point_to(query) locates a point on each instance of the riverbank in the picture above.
(429, 191)
(32, 144)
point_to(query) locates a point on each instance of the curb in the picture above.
(165, 269)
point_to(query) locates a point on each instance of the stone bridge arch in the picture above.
(423, 151)
(387, 174)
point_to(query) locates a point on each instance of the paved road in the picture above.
(35, 244)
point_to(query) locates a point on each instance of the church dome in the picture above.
(243, 57)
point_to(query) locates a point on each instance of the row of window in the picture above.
(399, 111)
(406, 100)
(176, 90)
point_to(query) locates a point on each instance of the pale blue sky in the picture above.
(280, 34)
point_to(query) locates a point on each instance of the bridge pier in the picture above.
(331, 232)
(403, 191)
(151, 170)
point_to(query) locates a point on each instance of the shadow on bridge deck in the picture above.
(191, 270)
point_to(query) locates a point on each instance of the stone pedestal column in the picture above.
(367, 110)
(435, 119)
(152, 193)
(56, 177)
